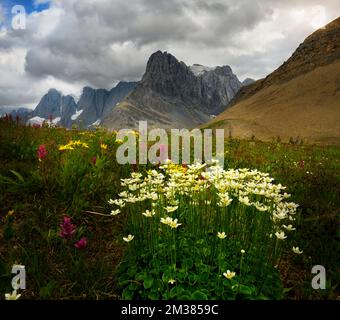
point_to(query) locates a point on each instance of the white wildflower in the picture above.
(128, 238)
(280, 235)
(297, 250)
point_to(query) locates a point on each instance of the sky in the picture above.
(69, 44)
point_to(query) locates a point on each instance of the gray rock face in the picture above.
(22, 113)
(96, 103)
(68, 108)
(172, 95)
(92, 102)
(218, 87)
(91, 107)
(55, 105)
(49, 106)
(117, 94)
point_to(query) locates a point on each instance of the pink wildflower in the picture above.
(67, 228)
(81, 244)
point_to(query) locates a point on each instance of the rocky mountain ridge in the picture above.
(92, 106)
(172, 94)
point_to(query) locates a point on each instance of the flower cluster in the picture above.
(68, 230)
(73, 145)
(172, 223)
(42, 152)
(249, 188)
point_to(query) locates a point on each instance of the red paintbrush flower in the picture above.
(42, 152)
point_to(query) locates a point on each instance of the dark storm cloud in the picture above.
(101, 42)
(102, 31)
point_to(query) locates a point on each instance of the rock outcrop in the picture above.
(92, 106)
(54, 105)
(247, 81)
(172, 95)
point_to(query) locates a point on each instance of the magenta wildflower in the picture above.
(94, 160)
(301, 164)
(67, 228)
(81, 244)
(42, 152)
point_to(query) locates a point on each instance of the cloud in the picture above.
(99, 42)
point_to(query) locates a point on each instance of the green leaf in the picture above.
(148, 281)
(285, 290)
(192, 279)
(204, 276)
(245, 290)
(127, 294)
(198, 295)
(188, 263)
(18, 175)
(133, 286)
(175, 291)
(47, 291)
(153, 295)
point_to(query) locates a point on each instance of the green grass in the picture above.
(41, 193)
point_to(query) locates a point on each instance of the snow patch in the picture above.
(76, 115)
(96, 123)
(40, 121)
(56, 120)
(36, 120)
(198, 69)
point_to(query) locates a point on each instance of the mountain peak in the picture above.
(172, 94)
(165, 74)
(198, 69)
(54, 104)
(161, 62)
(248, 81)
(87, 88)
(53, 91)
(319, 49)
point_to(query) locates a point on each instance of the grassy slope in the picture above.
(310, 172)
(306, 107)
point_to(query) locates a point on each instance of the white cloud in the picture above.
(18, 89)
(99, 42)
